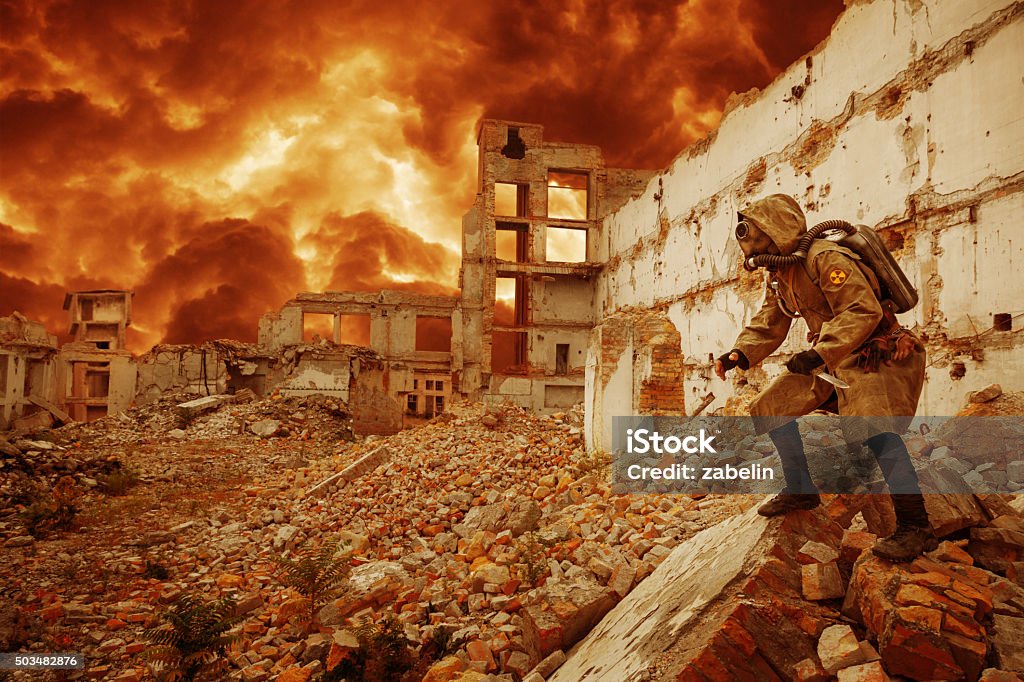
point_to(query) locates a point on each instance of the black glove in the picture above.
(803, 363)
(728, 363)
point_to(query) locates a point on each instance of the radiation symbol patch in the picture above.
(837, 276)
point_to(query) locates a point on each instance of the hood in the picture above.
(780, 217)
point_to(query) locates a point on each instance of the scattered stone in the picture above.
(838, 648)
(822, 581)
(865, 672)
(990, 392)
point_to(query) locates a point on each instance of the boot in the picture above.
(786, 502)
(913, 534)
(906, 544)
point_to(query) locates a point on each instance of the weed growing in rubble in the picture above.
(317, 575)
(384, 654)
(597, 462)
(54, 510)
(191, 642)
(118, 483)
(533, 556)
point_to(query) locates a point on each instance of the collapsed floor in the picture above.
(493, 527)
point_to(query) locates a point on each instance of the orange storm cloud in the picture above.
(217, 158)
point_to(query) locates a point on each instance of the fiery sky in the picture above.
(217, 160)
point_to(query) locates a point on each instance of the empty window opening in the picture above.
(510, 242)
(97, 383)
(510, 301)
(504, 301)
(434, 334)
(561, 358)
(1002, 322)
(439, 385)
(410, 403)
(316, 326)
(415, 384)
(103, 345)
(510, 199)
(508, 352)
(566, 245)
(505, 245)
(430, 384)
(567, 195)
(3, 373)
(514, 147)
(354, 330)
(86, 308)
(438, 404)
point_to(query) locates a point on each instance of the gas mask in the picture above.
(753, 240)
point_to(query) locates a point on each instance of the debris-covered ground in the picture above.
(449, 526)
(481, 545)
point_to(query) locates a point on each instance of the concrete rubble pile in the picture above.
(183, 416)
(494, 531)
(803, 598)
(475, 530)
(25, 463)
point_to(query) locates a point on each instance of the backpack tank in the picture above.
(866, 243)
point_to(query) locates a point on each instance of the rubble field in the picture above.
(484, 545)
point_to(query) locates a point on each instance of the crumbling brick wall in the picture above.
(634, 366)
(906, 119)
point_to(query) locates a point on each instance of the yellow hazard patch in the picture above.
(837, 276)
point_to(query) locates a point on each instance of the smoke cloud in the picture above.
(217, 161)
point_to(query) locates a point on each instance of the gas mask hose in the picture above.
(770, 260)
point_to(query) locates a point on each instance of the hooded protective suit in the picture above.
(837, 297)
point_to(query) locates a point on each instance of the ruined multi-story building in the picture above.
(96, 373)
(519, 329)
(531, 248)
(27, 367)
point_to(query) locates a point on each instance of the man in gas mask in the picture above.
(853, 337)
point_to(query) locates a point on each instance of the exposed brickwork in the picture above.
(653, 336)
(661, 393)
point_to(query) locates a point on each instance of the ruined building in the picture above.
(27, 367)
(519, 330)
(95, 372)
(533, 237)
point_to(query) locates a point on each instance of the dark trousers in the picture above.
(893, 459)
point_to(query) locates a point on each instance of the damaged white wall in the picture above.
(908, 118)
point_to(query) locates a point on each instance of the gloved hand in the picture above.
(726, 361)
(803, 363)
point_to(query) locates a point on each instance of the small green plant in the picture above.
(533, 554)
(316, 574)
(191, 642)
(118, 483)
(596, 462)
(384, 654)
(54, 510)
